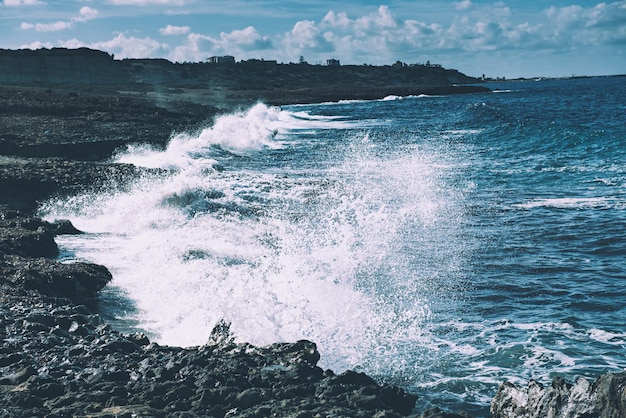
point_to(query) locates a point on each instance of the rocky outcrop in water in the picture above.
(604, 398)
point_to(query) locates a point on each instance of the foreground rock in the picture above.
(86, 124)
(60, 142)
(604, 398)
(59, 359)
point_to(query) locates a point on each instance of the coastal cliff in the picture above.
(228, 84)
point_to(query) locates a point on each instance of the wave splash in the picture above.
(283, 253)
(242, 133)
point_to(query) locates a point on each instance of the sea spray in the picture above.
(445, 244)
(281, 252)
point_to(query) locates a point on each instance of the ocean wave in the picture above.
(572, 203)
(242, 133)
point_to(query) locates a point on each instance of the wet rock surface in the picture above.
(59, 359)
(604, 398)
(88, 123)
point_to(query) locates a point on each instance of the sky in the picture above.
(530, 38)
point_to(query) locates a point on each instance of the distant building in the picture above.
(225, 59)
(254, 61)
(428, 64)
(333, 62)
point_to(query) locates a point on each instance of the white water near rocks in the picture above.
(283, 253)
(444, 244)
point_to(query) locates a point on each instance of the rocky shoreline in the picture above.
(58, 358)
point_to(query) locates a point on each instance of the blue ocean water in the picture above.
(441, 243)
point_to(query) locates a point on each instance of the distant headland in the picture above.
(222, 80)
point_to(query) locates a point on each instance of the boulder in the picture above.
(604, 398)
(74, 281)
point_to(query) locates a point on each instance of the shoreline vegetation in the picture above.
(63, 113)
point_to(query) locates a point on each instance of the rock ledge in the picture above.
(604, 398)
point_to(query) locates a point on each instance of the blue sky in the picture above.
(497, 38)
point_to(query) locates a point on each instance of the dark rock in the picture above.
(398, 400)
(438, 413)
(19, 376)
(350, 377)
(26, 236)
(605, 398)
(249, 398)
(221, 334)
(10, 358)
(48, 390)
(75, 281)
(28, 243)
(64, 227)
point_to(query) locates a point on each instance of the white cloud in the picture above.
(305, 36)
(47, 27)
(37, 45)
(464, 5)
(17, 3)
(374, 23)
(85, 14)
(613, 14)
(336, 20)
(123, 46)
(601, 24)
(196, 48)
(174, 30)
(241, 43)
(247, 39)
(131, 47)
(148, 2)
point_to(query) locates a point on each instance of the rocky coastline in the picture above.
(58, 358)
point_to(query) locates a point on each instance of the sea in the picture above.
(444, 244)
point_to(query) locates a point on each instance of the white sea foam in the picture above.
(242, 133)
(607, 337)
(423, 96)
(281, 255)
(569, 203)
